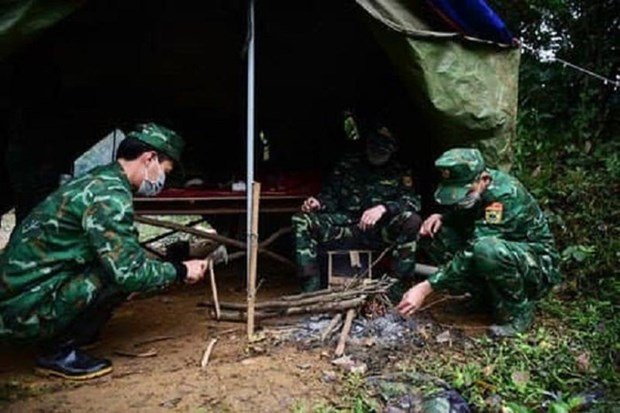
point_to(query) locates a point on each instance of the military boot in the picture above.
(71, 363)
(518, 320)
(310, 277)
(310, 284)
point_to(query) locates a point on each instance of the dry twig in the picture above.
(207, 354)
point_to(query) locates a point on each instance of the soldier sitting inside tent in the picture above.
(369, 199)
(493, 242)
(76, 257)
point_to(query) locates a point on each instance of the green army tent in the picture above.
(77, 69)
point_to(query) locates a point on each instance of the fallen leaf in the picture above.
(583, 362)
(488, 370)
(520, 378)
(444, 337)
(359, 368)
(342, 361)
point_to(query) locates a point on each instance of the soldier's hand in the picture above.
(195, 270)
(412, 300)
(431, 225)
(311, 204)
(371, 216)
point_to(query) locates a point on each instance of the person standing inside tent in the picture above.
(369, 200)
(494, 242)
(76, 257)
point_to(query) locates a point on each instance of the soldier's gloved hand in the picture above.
(195, 270)
(413, 299)
(311, 204)
(431, 225)
(371, 216)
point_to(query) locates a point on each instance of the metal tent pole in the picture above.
(252, 190)
(250, 131)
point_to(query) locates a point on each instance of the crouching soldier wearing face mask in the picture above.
(76, 257)
(369, 201)
(494, 243)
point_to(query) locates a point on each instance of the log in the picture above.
(346, 328)
(236, 315)
(331, 326)
(275, 305)
(296, 307)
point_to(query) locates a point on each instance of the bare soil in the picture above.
(268, 376)
(238, 377)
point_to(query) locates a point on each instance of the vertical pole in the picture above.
(249, 182)
(250, 128)
(253, 259)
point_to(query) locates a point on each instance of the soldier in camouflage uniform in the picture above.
(368, 201)
(494, 243)
(76, 256)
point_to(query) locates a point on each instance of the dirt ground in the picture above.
(175, 329)
(238, 378)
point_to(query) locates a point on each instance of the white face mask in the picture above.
(152, 188)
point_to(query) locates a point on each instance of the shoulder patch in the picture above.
(493, 214)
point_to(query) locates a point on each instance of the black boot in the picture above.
(71, 363)
(310, 277)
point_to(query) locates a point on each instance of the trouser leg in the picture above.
(85, 304)
(512, 273)
(86, 327)
(314, 229)
(401, 231)
(440, 250)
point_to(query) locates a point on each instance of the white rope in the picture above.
(552, 58)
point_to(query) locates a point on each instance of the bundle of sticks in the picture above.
(338, 299)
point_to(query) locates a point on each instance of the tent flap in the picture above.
(467, 90)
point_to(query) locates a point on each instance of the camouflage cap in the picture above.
(160, 138)
(459, 168)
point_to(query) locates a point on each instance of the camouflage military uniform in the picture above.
(76, 245)
(354, 187)
(502, 250)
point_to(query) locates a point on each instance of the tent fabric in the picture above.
(474, 18)
(467, 88)
(21, 21)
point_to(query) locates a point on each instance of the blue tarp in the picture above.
(473, 18)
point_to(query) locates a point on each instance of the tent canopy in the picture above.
(106, 64)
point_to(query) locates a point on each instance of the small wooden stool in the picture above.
(355, 266)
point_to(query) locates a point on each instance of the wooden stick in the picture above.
(346, 328)
(294, 308)
(274, 305)
(214, 237)
(214, 288)
(275, 236)
(378, 285)
(153, 340)
(207, 354)
(237, 315)
(253, 258)
(331, 326)
(445, 298)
